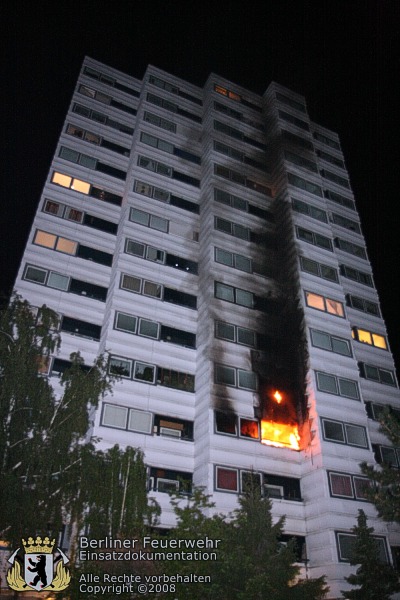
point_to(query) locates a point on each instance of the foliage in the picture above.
(48, 469)
(251, 563)
(375, 580)
(385, 493)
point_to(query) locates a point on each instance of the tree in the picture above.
(42, 441)
(385, 491)
(375, 579)
(251, 564)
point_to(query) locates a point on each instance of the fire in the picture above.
(278, 397)
(281, 435)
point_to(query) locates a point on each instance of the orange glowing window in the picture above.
(333, 307)
(47, 240)
(315, 301)
(60, 179)
(80, 186)
(221, 90)
(234, 96)
(249, 428)
(368, 337)
(66, 246)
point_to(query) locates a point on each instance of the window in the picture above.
(314, 238)
(131, 284)
(166, 481)
(165, 146)
(344, 433)
(72, 214)
(90, 290)
(85, 188)
(183, 264)
(235, 295)
(308, 209)
(367, 337)
(346, 223)
(119, 366)
(95, 139)
(166, 171)
(239, 135)
(355, 275)
(293, 120)
(240, 179)
(291, 102)
(240, 204)
(173, 428)
(387, 455)
(163, 196)
(125, 322)
(240, 156)
(62, 282)
(236, 97)
(175, 379)
(338, 162)
(230, 376)
(377, 374)
(352, 487)
(132, 369)
(335, 178)
(371, 308)
(232, 228)
(345, 544)
(230, 112)
(94, 74)
(172, 107)
(97, 256)
(339, 199)
(94, 115)
(105, 99)
(339, 386)
(303, 184)
(91, 163)
(159, 121)
(296, 140)
(226, 423)
(326, 341)
(351, 248)
(325, 140)
(333, 307)
(237, 261)
(81, 328)
(178, 336)
(120, 417)
(300, 161)
(148, 220)
(226, 480)
(234, 333)
(319, 269)
(35, 275)
(144, 372)
(60, 244)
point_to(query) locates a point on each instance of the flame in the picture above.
(278, 397)
(281, 435)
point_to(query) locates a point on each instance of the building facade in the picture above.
(208, 240)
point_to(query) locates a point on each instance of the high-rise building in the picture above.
(208, 239)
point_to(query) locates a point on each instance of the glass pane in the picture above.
(66, 246)
(135, 248)
(244, 298)
(126, 322)
(305, 235)
(315, 301)
(348, 388)
(225, 375)
(341, 346)
(152, 289)
(364, 336)
(87, 161)
(246, 337)
(327, 383)
(249, 428)
(356, 436)
(224, 257)
(143, 188)
(120, 367)
(47, 240)
(247, 380)
(225, 423)
(138, 216)
(361, 487)
(53, 208)
(310, 266)
(224, 292)
(227, 479)
(140, 421)
(386, 377)
(334, 431)
(158, 223)
(371, 372)
(225, 331)
(148, 328)
(240, 232)
(131, 283)
(61, 179)
(60, 282)
(328, 273)
(114, 416)
(334, 308)
(341, 485)
(74, 215)
(379, 341)
(155, 255)
(144, 372)
(36, 275)
(69, 154)
(389, 456)
(92, 138)
(242, 263)
(223, 225)
(321, 339)
(80, 186)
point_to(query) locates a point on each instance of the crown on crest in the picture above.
(38, 546)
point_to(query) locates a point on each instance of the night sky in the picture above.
(342, 55)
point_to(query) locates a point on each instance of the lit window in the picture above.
(47, 240)
(249, 428)
(80, 186)
(367, 337)
(315, 301)
(66, 246)
(63, 180)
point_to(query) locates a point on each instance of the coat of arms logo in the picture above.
(38, 567)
